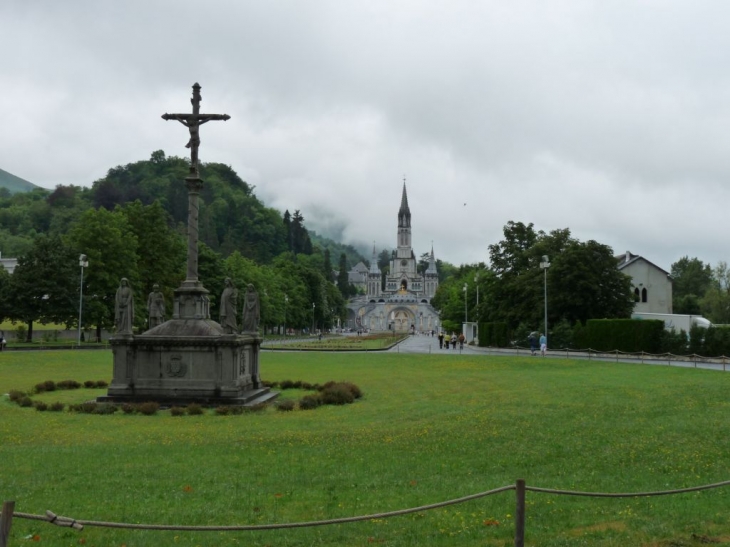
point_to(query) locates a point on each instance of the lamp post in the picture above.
(466, 316)
(545, 264)
(84, 264)
(286, 301)
(313, 306)
(476, 282)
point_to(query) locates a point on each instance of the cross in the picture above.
(193, 122)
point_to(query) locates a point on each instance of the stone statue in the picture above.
(229, 304)
(124, 308)
(155, 307)
(251, 310)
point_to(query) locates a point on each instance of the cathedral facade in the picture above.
(405, 303)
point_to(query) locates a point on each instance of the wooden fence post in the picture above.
(6, 518)
(520, 513)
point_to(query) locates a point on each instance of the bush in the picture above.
(129, 408)
(88, 407)
(149, 408)
(286, 384)
(89, 384)
(257, 407)
(177, 411)
(309, 402)
(16, 395)
(56, 407)
(48, 385)
(74, 407)
(194, 409)
(337, 394)
(356, 391)
(223, 410)
(307, 386)
(102, 383)
(286, 405)
(297, 384)
(68, 384)
(25, 401)
(106, 409)
(40, 405)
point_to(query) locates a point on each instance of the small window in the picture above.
(636, 295)
(643, 295)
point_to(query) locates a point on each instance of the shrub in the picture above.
(237, 409)
(286, 384)
(286, 405)
(307, 386)
(177, 411)
(75, 407)
(88, 407)
(223, 410)
(106, 409)
(309, 402)
(89, 384)
(102, 383)
(56, 407)
(337, 394)
(68, 384)
(266, 383)
(40, 405)
(25, 401)
(194, 409)
(16, 395)
(48, 385)
(297, 384)
(129, 408)
(356, 391)
(257, 407)
(149, 408)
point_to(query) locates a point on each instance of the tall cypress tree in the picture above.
(342, 277)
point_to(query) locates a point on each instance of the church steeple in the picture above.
(404, 213)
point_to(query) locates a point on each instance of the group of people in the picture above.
(445, 339)
(534, 340)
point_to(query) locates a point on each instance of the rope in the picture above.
(66, 521)
(627, 495)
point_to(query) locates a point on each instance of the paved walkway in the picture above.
(427, 344)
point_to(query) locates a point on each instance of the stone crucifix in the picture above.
(194, 183)
(193, 122)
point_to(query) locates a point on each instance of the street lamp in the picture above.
(476, 282)
(84, 264)
(286, 301)
(466, 317)
(545, 264)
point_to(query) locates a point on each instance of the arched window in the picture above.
(643, 295)
(636, 295)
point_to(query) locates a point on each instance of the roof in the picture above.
(625, 260)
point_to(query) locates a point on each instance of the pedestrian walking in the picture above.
(543, 344)
(441, 340)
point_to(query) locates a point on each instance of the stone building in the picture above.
(652, 286)
(405, 302)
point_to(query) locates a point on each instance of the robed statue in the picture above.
(124, 308)
(229, 305)
(251, 311)
(155, 307)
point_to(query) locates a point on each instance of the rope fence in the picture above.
(519, 487)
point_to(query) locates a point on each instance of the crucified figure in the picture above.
(193, 122)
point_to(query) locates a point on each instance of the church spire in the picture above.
(374, 263)
(404, 214)
(432, 263)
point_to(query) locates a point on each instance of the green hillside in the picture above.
(15, 184)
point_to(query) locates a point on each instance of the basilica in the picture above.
(405, 303)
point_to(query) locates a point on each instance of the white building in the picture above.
(8, 263)
(652, 286)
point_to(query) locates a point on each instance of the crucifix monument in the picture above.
(190, 357)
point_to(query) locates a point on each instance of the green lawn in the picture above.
(429, 428)
(339, 342)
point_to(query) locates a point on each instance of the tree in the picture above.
(715, 304)
(327, 270)
(44, 285)
(109, 243)
(691, 280)
(343, 279)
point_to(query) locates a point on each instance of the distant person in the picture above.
(532, 340)
(543, 344)
(454, 339)
(461, 341)
(441, 340)
(447, 340)
(2, 340)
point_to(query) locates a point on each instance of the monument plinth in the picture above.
(188, 358)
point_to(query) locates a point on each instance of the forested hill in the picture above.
(231, 217)
(10, 184)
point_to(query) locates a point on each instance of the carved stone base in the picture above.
(186, 360)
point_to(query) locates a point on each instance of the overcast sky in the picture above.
(608, 118)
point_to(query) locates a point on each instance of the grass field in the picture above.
(429, 428)
(349, 343)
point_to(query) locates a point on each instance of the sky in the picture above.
(611, 119)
